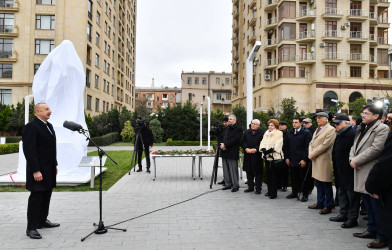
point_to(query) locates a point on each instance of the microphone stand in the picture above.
(101, 229)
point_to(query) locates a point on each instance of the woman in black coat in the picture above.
(379, 185)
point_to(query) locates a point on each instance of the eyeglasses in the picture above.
(366, 113)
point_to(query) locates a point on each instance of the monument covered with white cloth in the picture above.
(60, 82)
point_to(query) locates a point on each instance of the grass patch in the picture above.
(121, 143)
(112, 174)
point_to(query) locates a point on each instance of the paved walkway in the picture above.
(218, 220)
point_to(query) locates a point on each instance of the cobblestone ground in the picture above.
(217, 220)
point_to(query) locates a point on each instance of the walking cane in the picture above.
(301, 193)
(214, 174)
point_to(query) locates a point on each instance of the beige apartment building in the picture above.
(102, 31)
(316, 51)
(153, 97)
(197, 86)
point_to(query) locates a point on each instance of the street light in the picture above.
(249, 81)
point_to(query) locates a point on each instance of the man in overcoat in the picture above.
(39, 147)
(368, 145)
(348, 199)
(253, 163)
(296, 155)
(320, 153)
(229, 144)
(148, 141)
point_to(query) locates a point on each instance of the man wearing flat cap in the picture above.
(308, 125)
(320, 153)
(348, 198)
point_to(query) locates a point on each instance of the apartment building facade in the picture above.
(29, 30)
(164, 97)
(317, 51)
(197, 86)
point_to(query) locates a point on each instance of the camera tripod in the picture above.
(138, 139)
(214, 174)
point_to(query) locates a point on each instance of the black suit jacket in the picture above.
(148, 138)
(297, 146)
(39, 147)
(250, 140)
(231, 137)
(342, 147)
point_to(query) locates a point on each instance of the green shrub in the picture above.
(13, 139)
(106, 139)
(127, 133)
(9, 148)
(157, 131)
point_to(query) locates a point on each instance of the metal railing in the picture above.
(358, 34)
(6, 28)
(268, 2)
(372, 59)
(382, 40)
(332, 56)
(357, 57)
(332, 33)
(306, 34)
(373, 37)
(332, 11)
(373, 15)
(270, 62)
(357, 12)
(287, 58)
(271, 41)
(272, 20)
(307, 12)
(306, 57)
(5, 54)
(383, 19)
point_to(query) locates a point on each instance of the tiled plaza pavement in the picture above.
(218, 220)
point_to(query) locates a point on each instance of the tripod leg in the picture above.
(120, 229)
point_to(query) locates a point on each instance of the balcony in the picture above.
(270, 63)
(383, 22)
(383, 3)
(8, 31)
(306, 15)
(287, 58)
(271, 44)
(236, 12)
(270, 4)
(88, 61)
(8, 56)
(373, 39)
(357, 15)
(235, 27)
(306, 36)
(373, 18)
(235, 68)
(90, 16)
(252, 37)
(332, 57)
(235, 83)
(9, 6)
(252, 3)
(332, 13)
(252, 21)
(235, 41)
(235, 55)
(332, 35)
(357, 58)
(358, 37)
(306, 58)
(271, 23)
(372, 60)
(382, 41)
(164, 99)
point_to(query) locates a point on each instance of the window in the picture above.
(331, 29)
(48, 2)
(6, 23)
(330, 70)
(105, 45)
(328, 96)
(287, 31)
(217, 80)
(164, 96)
(354, 96)
(227, 80)
(43, 22)
(331, 4)
(157, 98)
(96, 104)
(88, 78)
(97, 39)
(108, 86)
(97, 60)
(228, 96)
(189, 80)
(204, 80)
(190, 96)
(103, 106)
(355, 71)
(108, 69)
(287, 10)
(97, 81)
(98, 19)
(302, 72)
(171, 96)
(355, 52)
(43, 47)
(196, 80)
(6, 46)
(90, 9)
(382, 73)
(89, 102)
(382, 56)
(285, 72)
(106, 27)
(219, 96)
(331, 51)
(36, 67)
(88, 31)
(104, 86)
(5, 96)
(287, 53)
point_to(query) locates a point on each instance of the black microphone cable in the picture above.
(163, 208)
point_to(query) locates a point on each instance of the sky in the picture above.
(181, 35)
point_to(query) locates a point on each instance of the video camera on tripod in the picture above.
(139, 124)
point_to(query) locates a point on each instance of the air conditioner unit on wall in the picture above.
(344, 27)
(268, 72)
(311, 2)
(267, 77)
(322, 45)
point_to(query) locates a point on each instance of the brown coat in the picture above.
(320, 148)
(367, 152)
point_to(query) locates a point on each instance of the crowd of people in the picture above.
(356, 156)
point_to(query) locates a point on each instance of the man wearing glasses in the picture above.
(368, 145)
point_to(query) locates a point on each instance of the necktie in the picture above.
(295, 132)
(318, 130)
(49, 129)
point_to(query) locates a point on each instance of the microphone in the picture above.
(73, 126)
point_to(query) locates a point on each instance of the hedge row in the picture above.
(170, 142)
(9, 148)
(106, 139)
(13, 139)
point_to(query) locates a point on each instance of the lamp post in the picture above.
(201, 125)
(249, 81)
(209, 122)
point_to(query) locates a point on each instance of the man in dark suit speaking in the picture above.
(39, 147)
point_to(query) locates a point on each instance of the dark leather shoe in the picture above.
(267, 194)
(365, 217)
(378, 243)
(258, 192)
(284, 189)
(148, 170)
(325, 211)
(365, 235)
(248, 190)
(33, 234)
(315, 206)
(273, 196)
(139, 170)
(292, 196)
(304, 198)
(234, 190)
(221, 183)
(48, 224)
(338, 218)
(226, 188)
(350, 224)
